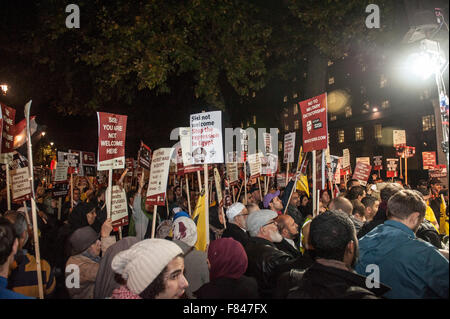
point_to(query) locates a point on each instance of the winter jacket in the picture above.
(235, 232)
(228, 288)
(324, 282)
(266, 263)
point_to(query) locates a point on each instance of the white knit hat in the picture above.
(144, 261)
(234, 210)
(184, 229)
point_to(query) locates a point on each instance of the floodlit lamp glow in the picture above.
(4, 88)
(43, 133)
(375, 109)
(424, 65)
(51, 143)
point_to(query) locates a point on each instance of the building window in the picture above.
(378, 134)
(295, 109)
(363, 68)
(280, 146)
(331, 80)
(385, 104)
(242, 124)
(285, 114)
(285, 99)
(359, 133)
(286, 127)
(254, 119)
(348, 111)
(295, 95)
(428, 123)
(305, 74)
(383, 81)
(330, 63)
(333, 118)
(248, 123)
(340, 136)
(296, 124)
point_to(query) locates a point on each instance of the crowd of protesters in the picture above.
(271, 246)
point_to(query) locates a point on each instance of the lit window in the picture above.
(286, 127)
(385, 104)
(359, 133)
(295, 95)
(363, 68)
(280, 146)
(296, 124)
(428, 123)
(242, 124)
(383, 81)
(378, 134)
(305, 74)
(340, 136)
(254, 119)
(331, 80)
(285, 114)
(345, 54)
(333, 118)
(331, 98)
(285, 99)
(348, 111)
(254, 94)
(295, 109)
(248, 123)
(330, 63)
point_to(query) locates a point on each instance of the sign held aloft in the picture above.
(111, 141)
(314, 121)
(206, 138)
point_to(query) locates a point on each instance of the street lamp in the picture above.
(4, 88)
(51, 143)
(428, 61)
(43, 133)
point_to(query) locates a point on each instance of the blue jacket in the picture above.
(9, 294)
(411, 267)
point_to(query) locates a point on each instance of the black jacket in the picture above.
(288, 248)
(235, 232)
(368, 226)
(266, 263)
(228, 288)
(323, 282)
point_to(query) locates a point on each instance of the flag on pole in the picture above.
(20, 131)
(302, 184)
(443, 220)
(199, 219)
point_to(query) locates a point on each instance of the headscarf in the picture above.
(105, 283)
(77, 218)
(184, 229)
(227, 258)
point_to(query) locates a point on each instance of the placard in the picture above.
(61, 172)
(362, 172)
(365, 160)
(21, 187)
(378, 162)
(206, 137)
(7, 134)
(289, 146)
(346, 159)
(111, 141)
(156, 191)
(255, 165)
(438, 171)
(399, 138)
(314, 121)
(119, 207)
(429, 160)
(391, 164)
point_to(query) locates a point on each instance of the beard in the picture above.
(275, 237)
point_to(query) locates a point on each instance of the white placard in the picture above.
(289, 147)
(399, 137)
(206, 137)
(159, 172)
(346, 159)
(255, 164)
(20, 183)
(365, 160)
(61, 172)
(119, 208)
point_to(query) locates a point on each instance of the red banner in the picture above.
(438, 171)
(111, 140)
(7, 136)
(314, 120)
(88, 158)
(429, 160)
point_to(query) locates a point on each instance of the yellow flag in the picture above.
(443, 220)
(199, 219)
(302, 184)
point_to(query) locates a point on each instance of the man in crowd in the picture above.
(67, 206)
(288, 229)
(335, 248)
(356, 192)
(8, 248)
(352, 182)
(411, 267)
(292, 209)
(273, 202)
(342, 204)
(370, 207)
(254, 197)
(265, 261)
(358, 212)
(237, 216)
(23, 276)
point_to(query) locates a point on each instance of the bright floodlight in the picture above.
(51, 143)
(43, 133)
(4, 88)
(423, 65)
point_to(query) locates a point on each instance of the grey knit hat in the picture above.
(82, 239)
(143, 262)
(258, 219)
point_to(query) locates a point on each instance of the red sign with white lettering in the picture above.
(111, 140)
(315, 125)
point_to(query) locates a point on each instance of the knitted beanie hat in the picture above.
(144, 261)
(184, 229)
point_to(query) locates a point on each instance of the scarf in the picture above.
(123, 293)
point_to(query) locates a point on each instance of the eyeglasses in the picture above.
(272, 222)
(242, 214)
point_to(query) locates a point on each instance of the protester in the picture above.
(358, 212)
(265, 261)
(23, 271)
(305, 206)
(288, 229)
(85, 257)
(435, 186)
(385, 193)
(153, 269)
(356, 192)
(429, 214)
(411, 267)
(106, 280)
(352, 182)
(335, 247)
(371, 205)
(237, 215)
(251, 208)
(66, 209)
(292, 209)
(8, 248)
(228, 262)
(195, 261)
(325, 198)
(140, 220)
(273, 202)
(254, 197)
